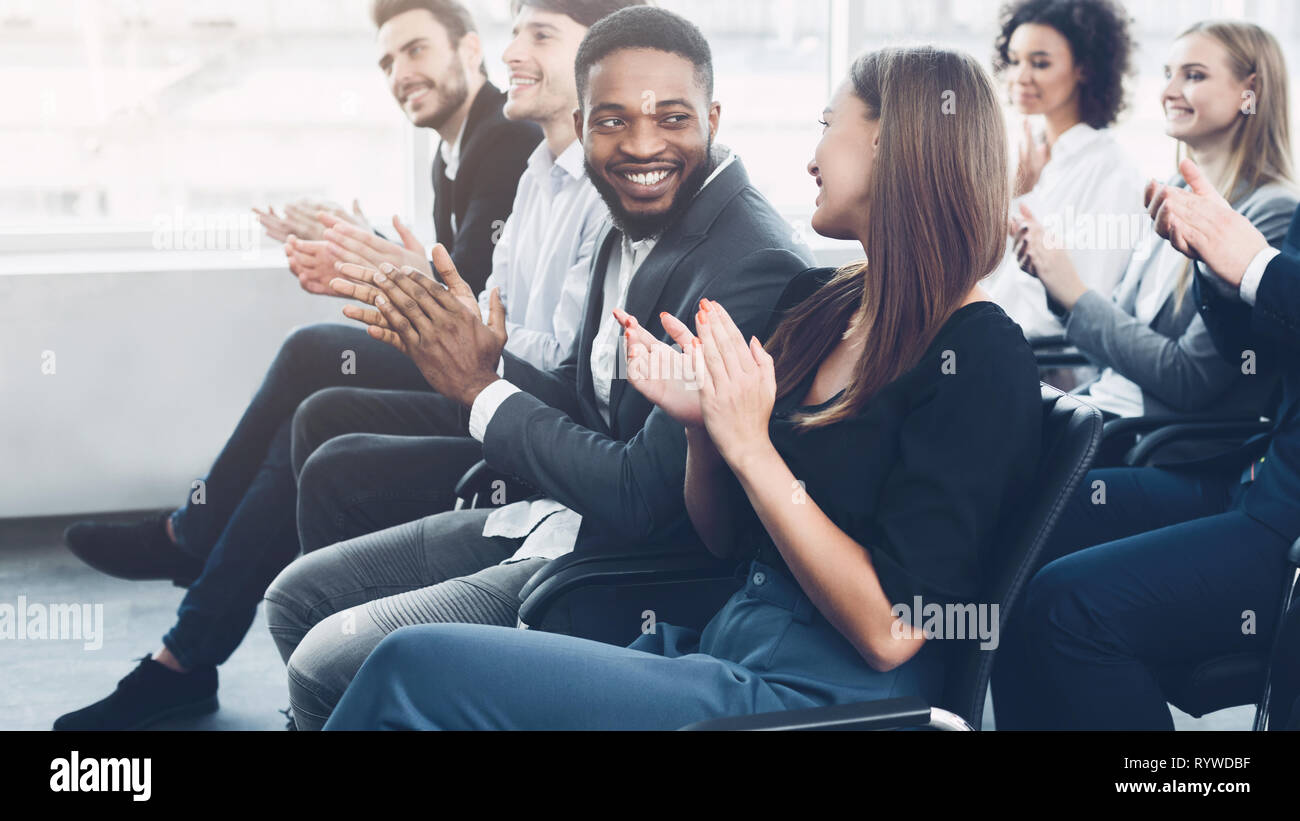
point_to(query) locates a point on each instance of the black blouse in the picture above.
(922, 477)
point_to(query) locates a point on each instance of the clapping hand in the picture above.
(1202, 225)
(439, 326)
(1041, 255)
(361, 246)
(662, 374)
(737, 386)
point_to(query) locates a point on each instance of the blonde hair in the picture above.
(1261, 137)
(937, 224)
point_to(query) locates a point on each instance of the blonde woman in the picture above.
(1226, 102)
(897, 400)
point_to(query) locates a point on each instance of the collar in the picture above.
(1074, 140)
(451, 153)
(728, 160)
(570, 160)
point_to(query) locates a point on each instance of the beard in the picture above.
(452, 93)
(637, 227)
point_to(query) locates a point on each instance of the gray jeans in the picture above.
(328, 610)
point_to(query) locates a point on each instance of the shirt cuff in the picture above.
(501, 366)
(1254, 273)
(486, 404)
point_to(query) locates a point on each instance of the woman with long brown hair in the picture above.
(859, 462)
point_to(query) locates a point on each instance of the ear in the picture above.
(715, 116)
(577, 123)
(471, 52)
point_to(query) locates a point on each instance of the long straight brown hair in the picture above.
(937, 224)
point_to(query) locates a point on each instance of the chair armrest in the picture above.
(1056, 352)
(1039, 342)
(1192, 431)
(886, 714)
(1134, 425)
(476, 485)
(572, 571)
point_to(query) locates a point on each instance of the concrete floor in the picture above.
(44, 679)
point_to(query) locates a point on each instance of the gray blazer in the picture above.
(1174, 359)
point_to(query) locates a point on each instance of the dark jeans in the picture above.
(1167, 571)
(244, 528)
(368, 460)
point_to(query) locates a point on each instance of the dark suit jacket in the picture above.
(493, 154)
(626, 478)
(1272, 329)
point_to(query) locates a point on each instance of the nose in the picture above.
(643, 141)
(1024, 74)
(511, 55)
(813, 168)
(1171, 91)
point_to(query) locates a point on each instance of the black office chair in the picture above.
(581, 595)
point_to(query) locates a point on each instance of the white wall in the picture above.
(156, 355)
(152, 371)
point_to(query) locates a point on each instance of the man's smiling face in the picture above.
(647, 127)
(425, 71)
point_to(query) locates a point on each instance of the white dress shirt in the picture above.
(451, 153)
(542, 258)
(1254, 273)
(550, 528)
(1090, 194)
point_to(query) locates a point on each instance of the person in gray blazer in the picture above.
(1157, 356)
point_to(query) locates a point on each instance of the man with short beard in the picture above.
(687, 225)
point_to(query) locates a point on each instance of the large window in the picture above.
(121, 115)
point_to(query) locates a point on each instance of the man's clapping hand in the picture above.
(439, 327)
(1201, 224)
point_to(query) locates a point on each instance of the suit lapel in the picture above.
(643, 295)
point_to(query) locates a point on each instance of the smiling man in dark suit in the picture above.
(687, 225)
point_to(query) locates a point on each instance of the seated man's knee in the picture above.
(326, 660)
(316, 422)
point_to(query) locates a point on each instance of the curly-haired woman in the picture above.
(1065, 61)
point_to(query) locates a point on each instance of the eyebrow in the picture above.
(388, 58)
(1039, 53)
(534, 25)
(618, 107)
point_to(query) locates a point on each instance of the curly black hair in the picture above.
(1098, 34)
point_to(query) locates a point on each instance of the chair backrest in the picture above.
(1071, 432)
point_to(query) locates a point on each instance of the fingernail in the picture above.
(696, 341)
(380, 277)
(699, 318)
(704, 305)
(379, 300)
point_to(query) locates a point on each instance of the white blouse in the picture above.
(1090, 194)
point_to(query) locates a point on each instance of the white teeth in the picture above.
(651, 178)
(517, 81)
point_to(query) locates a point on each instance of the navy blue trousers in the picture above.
(1167, 570)
(244, 525)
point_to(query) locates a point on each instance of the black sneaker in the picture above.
(148, 694)
(137, 551)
